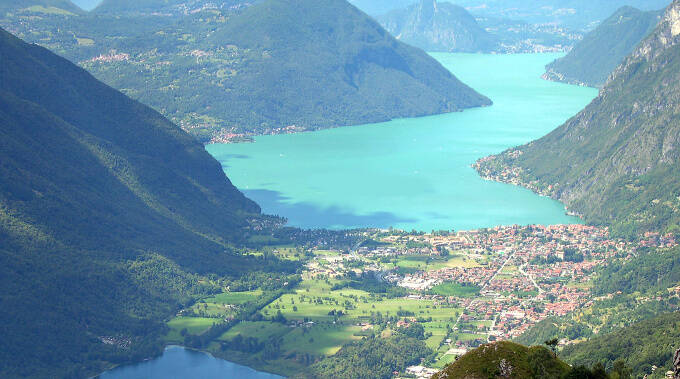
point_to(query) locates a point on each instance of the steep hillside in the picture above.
(229, 70)
(438, 26)
(642, 345)
(39, 6)
(617, 161)
(331, 67)
(505, 360)
(592, 60)
(107, 214)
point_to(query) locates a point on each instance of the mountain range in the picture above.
(234, 69)
(616, 162)
(42, 6)
(592, 60)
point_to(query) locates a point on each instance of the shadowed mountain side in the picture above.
(107, 214)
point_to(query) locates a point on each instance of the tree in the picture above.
(620, 370)
(552, 344)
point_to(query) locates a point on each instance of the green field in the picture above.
(235, 298)
(430, 263)
(324, 339)
(455, 289)
(261, 330)
(193, 325)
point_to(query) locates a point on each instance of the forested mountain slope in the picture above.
(616, 162)
(438, 26)
(641, 345)
(231, 69)
(593, 59)
(107, 213)
(506, 360)
(332, 66)
(54, 6)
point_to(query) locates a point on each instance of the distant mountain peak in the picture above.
(436, 26)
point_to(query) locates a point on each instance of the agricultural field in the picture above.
(414, 263)
(455, 289)
(192, 325)
(314, 300)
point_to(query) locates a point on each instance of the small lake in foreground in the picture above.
(180, 363)
(414, 173)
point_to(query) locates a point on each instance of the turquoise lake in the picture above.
(414, 173)
(180, 363)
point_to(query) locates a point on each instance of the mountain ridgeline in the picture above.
(252, 67)
(55, 6)
(108, 214)
(617, 161)
(438, 26)
(593, 59)
(331, 67)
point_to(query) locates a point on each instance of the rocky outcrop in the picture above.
(676, 364)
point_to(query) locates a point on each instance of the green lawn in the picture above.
(430, 263)
(324, 339)
(261, 330)
(193, 325)
(314, 300)
(455, 289)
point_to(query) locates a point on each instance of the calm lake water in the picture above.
(181, 363)
(414, 173)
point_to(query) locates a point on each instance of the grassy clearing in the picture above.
(193, 325)
(444, 360)
(235, 298)
(455, 289)
(430, 263)
(314, 300)
(324, 339)
(261, 330)
(49, 10)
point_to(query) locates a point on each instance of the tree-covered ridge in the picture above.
(41, 6)
(616, 162)
(641, 345)
(593, 59)
(111, 220)
(370, 358)
(438, 26)
(227, 71)
(506, 360)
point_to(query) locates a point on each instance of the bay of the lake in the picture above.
(180, 363)
(414, 173)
